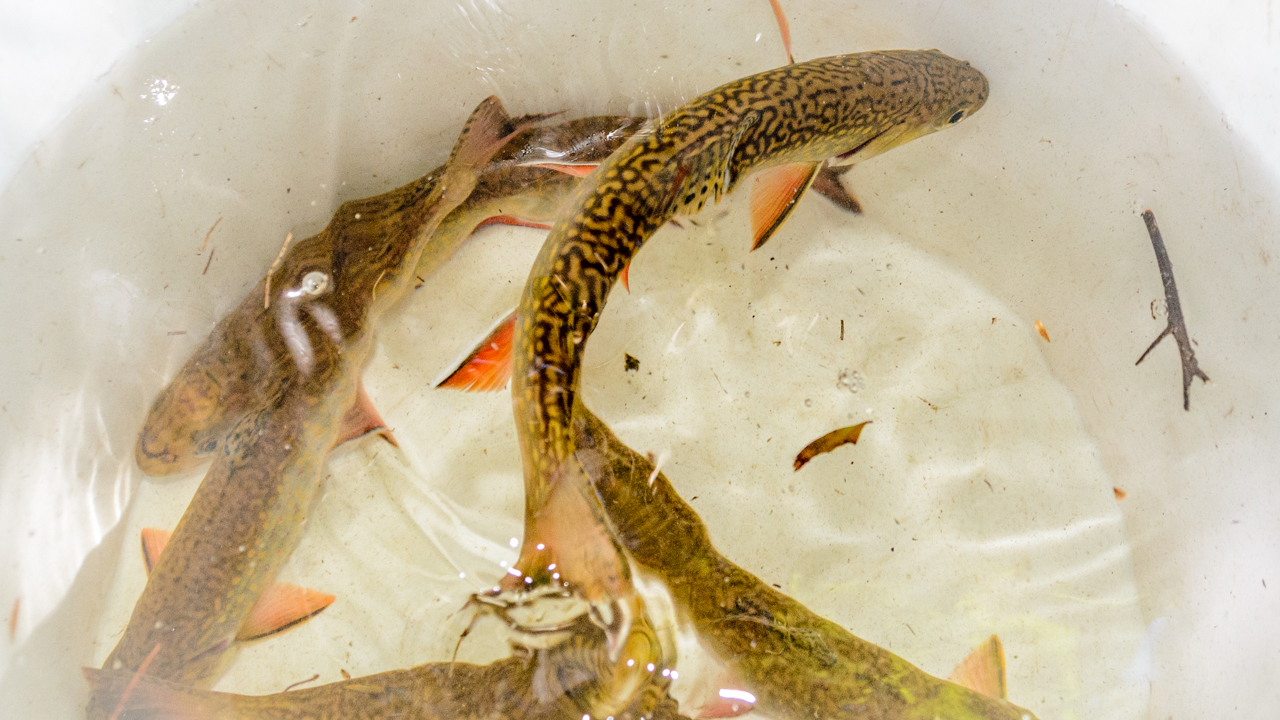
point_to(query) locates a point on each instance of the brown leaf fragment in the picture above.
(829, 442)
(1040, 329)
(1120, 494)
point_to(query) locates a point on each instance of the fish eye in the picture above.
(957, 117)
(314, 282)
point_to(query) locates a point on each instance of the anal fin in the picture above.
(774, 196)
(279, 607)
(488, 367)
(983, 671)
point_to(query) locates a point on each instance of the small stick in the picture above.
(313, 678)
(210, 262)
(1177, 326)
(266, 294)
(208, 234)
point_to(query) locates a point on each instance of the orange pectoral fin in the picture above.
(488, 367)
(983, 670)
(280, 607)
(510, 220)
(625, 277)
(774, 196)
(576, 170)
(153, 542)
(361, 419)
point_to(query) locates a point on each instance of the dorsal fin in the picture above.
(488, 367)
(983, 670)
(774, 196)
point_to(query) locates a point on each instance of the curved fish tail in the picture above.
(142, 697)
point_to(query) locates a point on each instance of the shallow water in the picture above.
(976, 502)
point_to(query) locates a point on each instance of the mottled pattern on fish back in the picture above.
(804, 112)
(798, 664)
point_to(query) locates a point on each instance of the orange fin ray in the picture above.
(774, 196)
(983, 670)
(625, 277)
(153, 542)
(575, 169)
(488, 367)
(828, 185)
(361, 419)
(512, 221)
(280, 607)
(783, 28)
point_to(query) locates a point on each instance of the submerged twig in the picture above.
(1177, 326)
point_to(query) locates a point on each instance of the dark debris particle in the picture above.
(631, 363)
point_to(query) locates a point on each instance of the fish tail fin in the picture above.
(775, 194)
(142, 697)
(486, 131)
(569, 543)
(488, 366)
(983, 670)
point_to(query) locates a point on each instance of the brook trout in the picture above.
(247, 514)
(568, 681)
(795, 664)
(783, 123)
(229, 375)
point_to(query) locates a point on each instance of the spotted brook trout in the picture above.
(567, 681)
(782, 125)
(229, 375)
(246, 516)
(793, 664)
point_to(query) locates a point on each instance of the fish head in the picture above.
(304, 286)
(936, 92)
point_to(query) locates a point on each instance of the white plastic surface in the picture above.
(1024, 212)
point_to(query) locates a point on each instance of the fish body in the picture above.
(314, 338)
(797, 664)
(791, 119)
(234, 372)
(567, 681)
